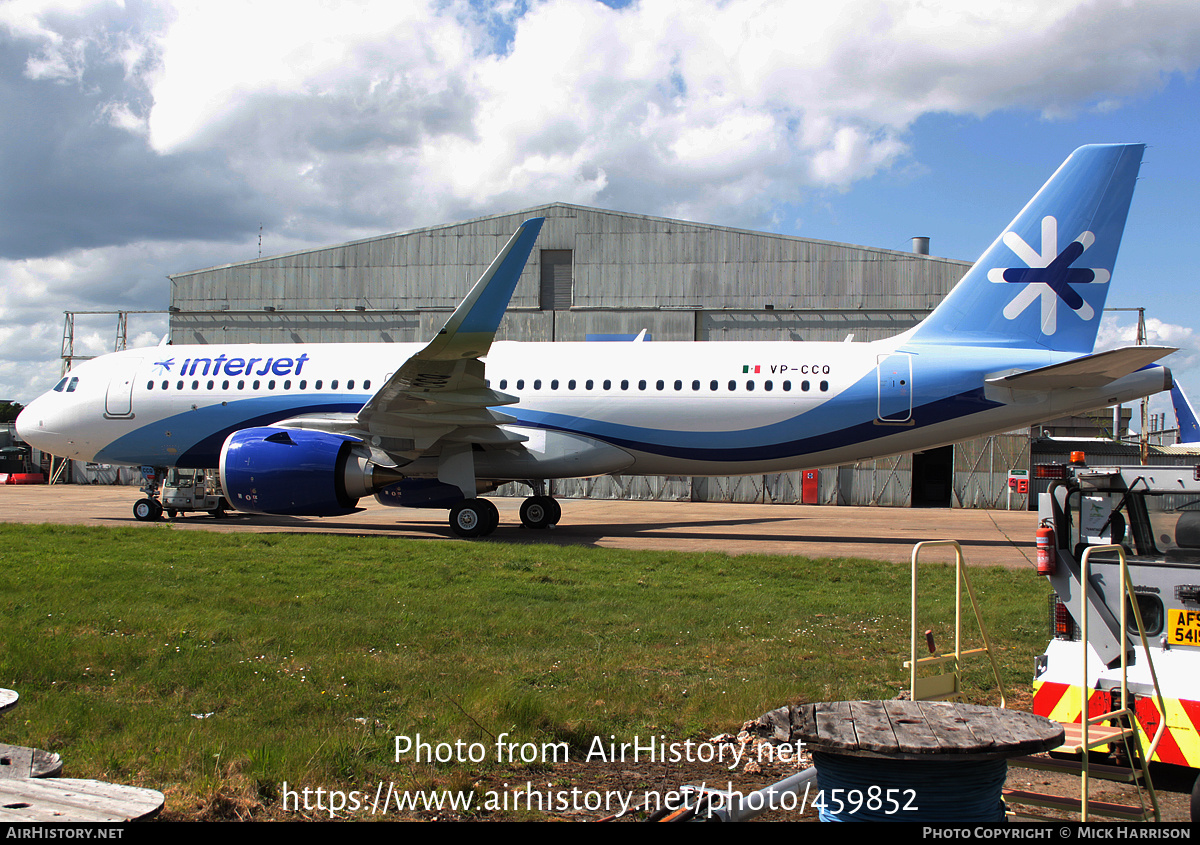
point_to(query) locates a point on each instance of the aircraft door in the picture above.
(895, 387)
(119, 400)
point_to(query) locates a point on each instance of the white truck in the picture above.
(182, 491)
(1153, 513)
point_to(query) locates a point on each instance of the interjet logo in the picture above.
(1048, 276)
(164, 366)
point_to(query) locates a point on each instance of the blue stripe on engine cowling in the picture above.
(287, 471)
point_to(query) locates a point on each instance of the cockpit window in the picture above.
(72, 384)
(58, 388)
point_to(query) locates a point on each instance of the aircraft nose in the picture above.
(38, 426)
(26, 421)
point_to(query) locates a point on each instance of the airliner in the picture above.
(311, 429)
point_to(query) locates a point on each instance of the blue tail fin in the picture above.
(1189, 429)
(1044, 280)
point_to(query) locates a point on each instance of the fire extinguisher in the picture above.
(1047, 561)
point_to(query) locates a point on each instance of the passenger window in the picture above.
(678, 384)
(287, 385)
(658, 385)
(571, 384)
(520, 384)
(537, 384)
(749, 385)
(316, 386)
(787, 385)
(767, 385)
(179, 386)
(241, 384)
(367, 384)
(804, 386)
(195, 385)
(165, 385)
(712, 385)
(256, 383)
(503, 383)
(149, 385)
(824, 386)
(642, 384)
(303, 383)
(554, 384)
(732, 384)
(210, 384)
(333, 384)
(608, 384)
(624, 384)
(271, 384)
(350, 384)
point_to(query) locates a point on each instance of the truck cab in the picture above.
(186, 490)
(1153, 513)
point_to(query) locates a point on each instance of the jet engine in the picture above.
(298, 472)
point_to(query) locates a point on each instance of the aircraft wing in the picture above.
(440, 393)
(1088, 371)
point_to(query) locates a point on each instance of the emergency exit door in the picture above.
(894, 374)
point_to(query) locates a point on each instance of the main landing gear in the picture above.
(474, 518)
(479, 517)
(540, 512)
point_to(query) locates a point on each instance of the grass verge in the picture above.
(217, 667)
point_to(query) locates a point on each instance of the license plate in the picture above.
(1184, 627)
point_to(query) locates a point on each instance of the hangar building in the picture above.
(604, 276)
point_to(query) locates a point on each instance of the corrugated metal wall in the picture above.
(981, 470)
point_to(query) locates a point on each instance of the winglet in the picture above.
(472, 327)
(1189, 429)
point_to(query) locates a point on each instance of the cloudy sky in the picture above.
(148, 137)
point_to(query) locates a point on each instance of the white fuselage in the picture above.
(710, 408)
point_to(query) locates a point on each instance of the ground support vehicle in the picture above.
(1150, 516)
(180, 491)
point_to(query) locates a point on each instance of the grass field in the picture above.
(216, 667)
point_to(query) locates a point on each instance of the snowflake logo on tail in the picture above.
(1049, 275)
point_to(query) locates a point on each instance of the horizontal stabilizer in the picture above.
(1089, 371)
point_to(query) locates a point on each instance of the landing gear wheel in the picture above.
(474, 518)
(493, 516)
(540, 512)
(146, 510)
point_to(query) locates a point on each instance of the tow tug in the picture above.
(180, 491)
(1150, 516)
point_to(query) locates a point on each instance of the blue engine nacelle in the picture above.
(297, 472)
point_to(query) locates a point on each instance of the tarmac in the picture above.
(987, 537)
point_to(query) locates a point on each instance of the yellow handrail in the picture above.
(960, 579)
